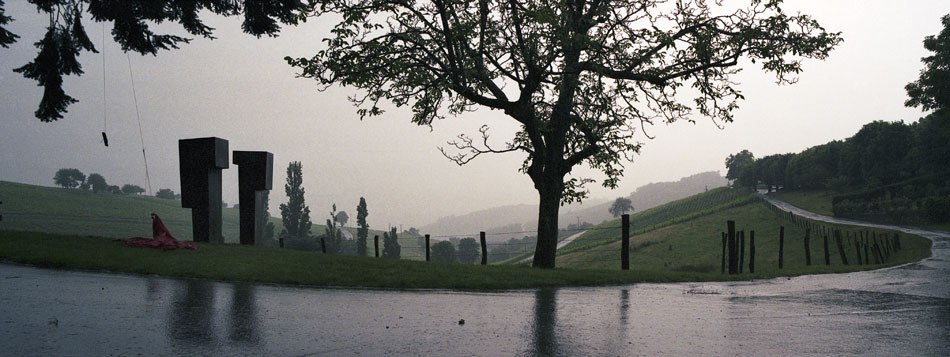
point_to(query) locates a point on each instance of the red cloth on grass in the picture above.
(161, 239)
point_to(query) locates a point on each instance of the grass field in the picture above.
(76, 212)
(813, 201)
(696, 246)
(281, 266)
(672, 213)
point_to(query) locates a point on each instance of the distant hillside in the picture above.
(649, 196)
(502, 223)
(57, 210)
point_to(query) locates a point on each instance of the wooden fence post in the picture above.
(723, 253)
(484, 248)
(323, 246)
(733, 259)
(807, 248)
(864, 244)
(781, 246)
(376, 243)
(857, 251)
(751, 252)
(827, 253)
(844, 257)
(741, 250)
(625, 242)
(427, 247)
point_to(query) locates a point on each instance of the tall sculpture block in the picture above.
(255, 178)
(200, 163)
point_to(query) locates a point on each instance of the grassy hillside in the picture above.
(664, 215)
(687, 237)
(76, 212)
(816, 201)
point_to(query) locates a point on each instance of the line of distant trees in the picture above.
(71, 178)
(881, 153)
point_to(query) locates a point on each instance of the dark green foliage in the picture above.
(114, 189)
(577, 78)
(621, 205)
(98, 184)
(738, 168)
(165, 193)
(391, 244)
(468, 251)
(6, 37)
(132, 22)
(295, 214)
(69, 178)
(363, 228)
(130, 189)
(932, 90)
(444, 251)
(341, 218)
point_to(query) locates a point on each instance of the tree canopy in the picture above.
(444, 251)
(295, 214)
(133, 22)
(69, 178)
(98, 183)
(468, 250)
(130, 189)
(363, 228)
(579, 77)
(932, 90)
(620, 206)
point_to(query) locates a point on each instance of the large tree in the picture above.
(932, 90)
(620, 206)
(295, 214)
(580, 77)
(739, 168)
(468, 250)
(132, 24)
(69, 178)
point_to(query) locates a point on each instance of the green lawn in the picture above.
(274, 265)
(696, 246)
(815, 201)
(34, 208)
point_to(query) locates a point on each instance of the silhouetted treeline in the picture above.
(888, 169)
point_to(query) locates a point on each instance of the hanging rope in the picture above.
(148, 180)
(105, 139)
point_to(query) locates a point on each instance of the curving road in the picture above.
(902, 310)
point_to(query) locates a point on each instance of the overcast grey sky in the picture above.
(239, 88)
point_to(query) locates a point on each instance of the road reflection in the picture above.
(244, 317)
(545, 319)
(192, 314)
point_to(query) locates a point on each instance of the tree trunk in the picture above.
(550, 202)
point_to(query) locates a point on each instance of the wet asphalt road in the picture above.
(898, 311)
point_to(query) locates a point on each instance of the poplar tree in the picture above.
(295, 214)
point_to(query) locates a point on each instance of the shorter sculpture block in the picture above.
(255, 178)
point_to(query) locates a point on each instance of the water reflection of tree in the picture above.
(545, 319)
(244, 318)
(191, 317)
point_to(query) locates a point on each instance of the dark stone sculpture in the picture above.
(255, 178)
(200, 163)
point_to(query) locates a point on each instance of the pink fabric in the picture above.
(161, 239)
